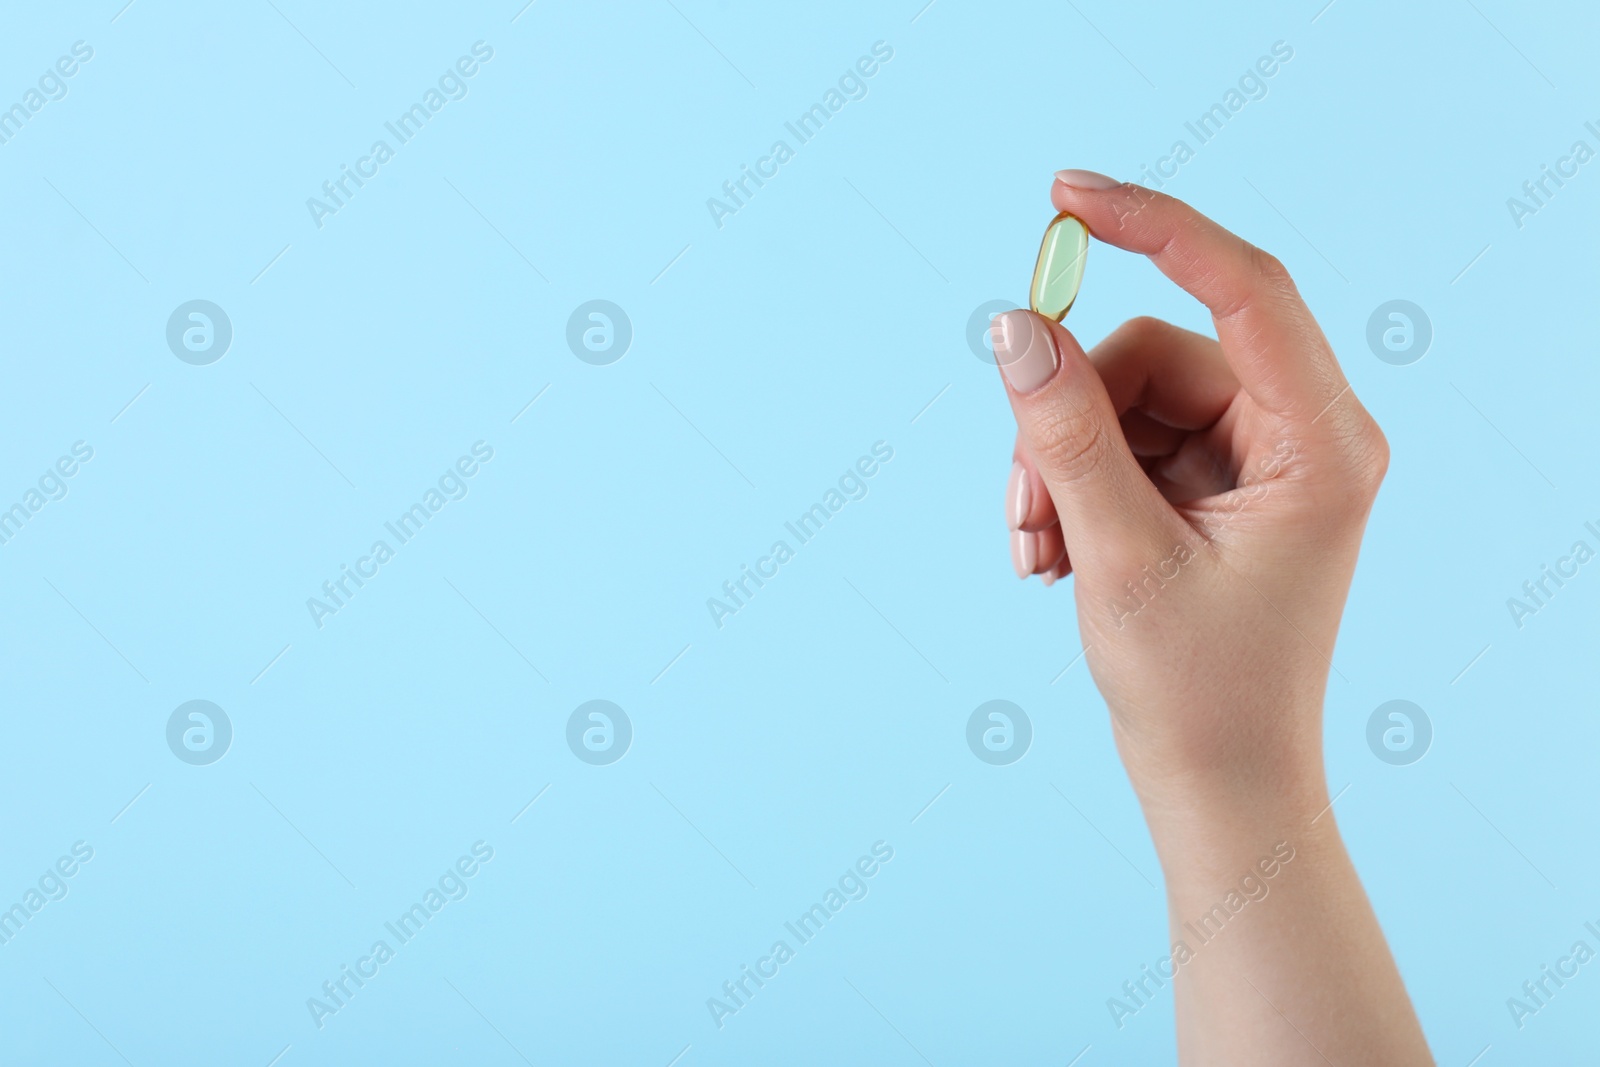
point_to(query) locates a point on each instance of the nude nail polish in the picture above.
(1086, 179)
(1024, 349)
(1019, 496)
(1024, 552)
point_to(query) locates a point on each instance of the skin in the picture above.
(1239, 471)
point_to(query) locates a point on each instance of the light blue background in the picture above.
(767, 356)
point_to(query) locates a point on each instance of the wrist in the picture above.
(1206, 837)
(1208, 817)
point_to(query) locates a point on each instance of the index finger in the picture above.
(1268, 335)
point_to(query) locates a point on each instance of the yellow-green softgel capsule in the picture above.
(1059, 272)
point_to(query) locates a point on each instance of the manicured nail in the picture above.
(1086, 179)
(1049, 577)
(1019, 494)
(1024, 552)
(1024, 349)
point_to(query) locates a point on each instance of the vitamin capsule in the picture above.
(1059, 272)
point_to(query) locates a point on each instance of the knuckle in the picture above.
(1269, 268)
(1070, 442)
(1365, 459)
(1373, 462)
(1141, 333)
(1258, 283)
(1143, 328)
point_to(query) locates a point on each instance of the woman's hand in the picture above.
(1209, 498)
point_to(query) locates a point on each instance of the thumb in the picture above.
(1112, 516)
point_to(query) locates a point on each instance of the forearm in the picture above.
(1279, 958)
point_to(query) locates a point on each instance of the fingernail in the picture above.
(1019, 494)
(1086, 179)
(1024, 349)
(1024, 552)
(1049, 577)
